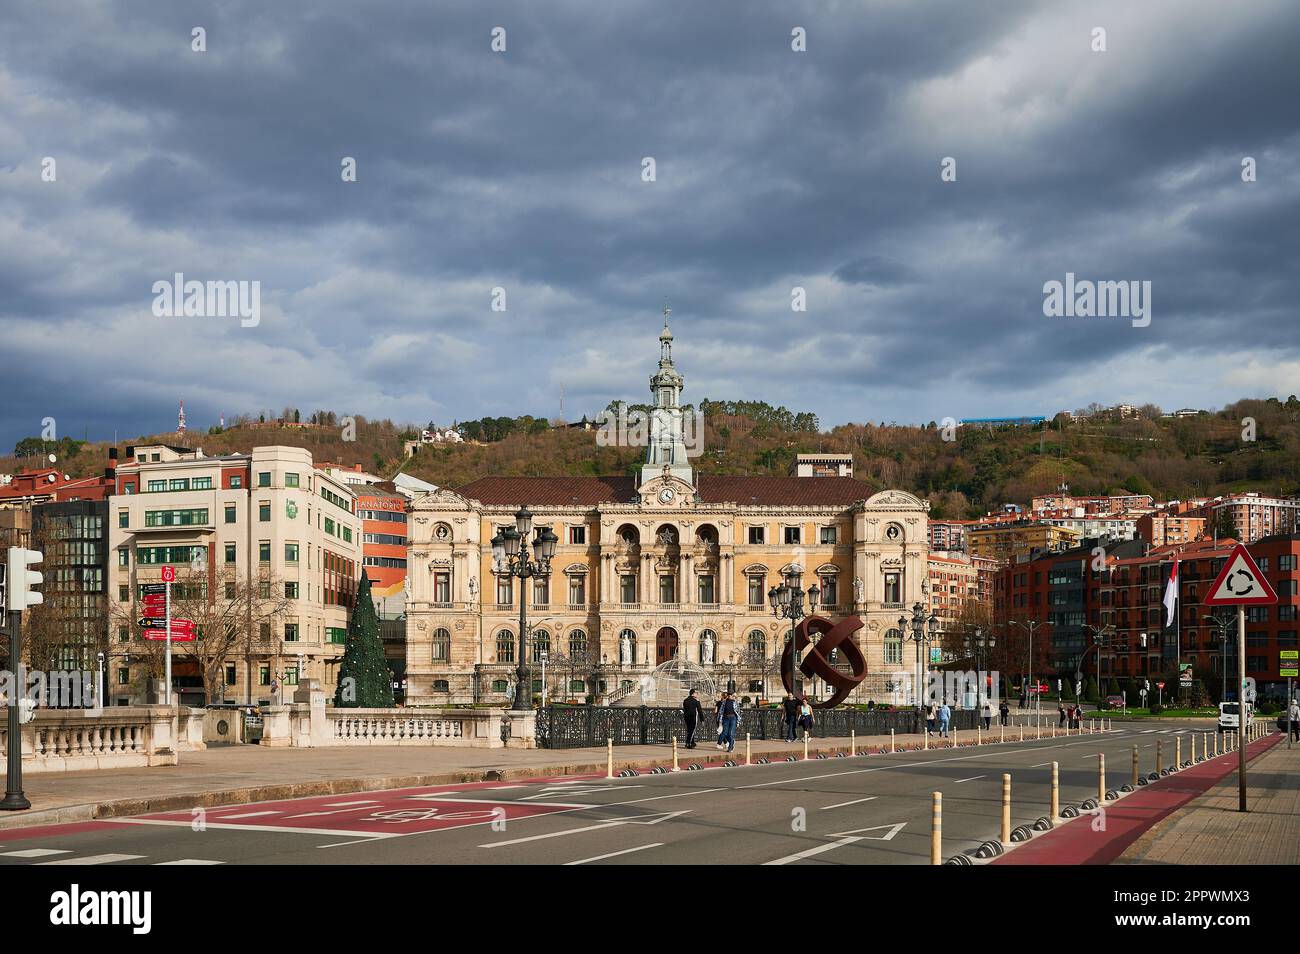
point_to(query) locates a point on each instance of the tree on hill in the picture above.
(364, 680)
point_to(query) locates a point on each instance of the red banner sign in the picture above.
(162, 634)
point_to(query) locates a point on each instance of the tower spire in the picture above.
(666, 451)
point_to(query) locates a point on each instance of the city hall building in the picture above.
(666, 564)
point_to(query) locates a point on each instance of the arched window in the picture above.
(505, 646)
(894, 648)
(577, 644)
(441, 645)
(541, 644)
(757, 642)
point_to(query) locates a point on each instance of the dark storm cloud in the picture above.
(775, 169)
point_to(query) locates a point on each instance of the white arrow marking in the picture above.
(845, 838)
(643, 820)
(337, 811)
(887, 836)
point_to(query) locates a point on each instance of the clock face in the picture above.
(667, 494)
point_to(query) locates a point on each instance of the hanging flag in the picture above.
(1171, 594)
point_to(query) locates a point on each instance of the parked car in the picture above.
(1228, 716)
(1114, 702)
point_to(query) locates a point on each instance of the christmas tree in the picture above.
(364, 680)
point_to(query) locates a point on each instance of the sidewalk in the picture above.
(1210, 830)
(238, 774)
(1105, 839)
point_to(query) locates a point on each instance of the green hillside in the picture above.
(979, 470)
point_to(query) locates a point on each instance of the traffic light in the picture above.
(21, 579)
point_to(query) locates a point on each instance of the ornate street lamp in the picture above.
(510, 555)
(921, 629)
(786, 601)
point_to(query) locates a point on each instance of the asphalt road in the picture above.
(865, 810)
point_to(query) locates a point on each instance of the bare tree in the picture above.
(230, 615)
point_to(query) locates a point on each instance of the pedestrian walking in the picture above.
(692, 716)
(1004, 711)
(790, 716)
(931, 715)
(988, 716)
(1060, 707)
(945, 716)
(806, 717)
(871, 705)
(729, 716)
(1294, 715)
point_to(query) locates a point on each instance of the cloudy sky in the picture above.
(523, 169)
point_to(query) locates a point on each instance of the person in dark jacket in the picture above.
(692, 715)
(728, 717)
(790, 714)
(1004, 711)
(1060, 708)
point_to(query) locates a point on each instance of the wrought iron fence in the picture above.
(572, 727)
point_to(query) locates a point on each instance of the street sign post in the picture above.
(168, 577)
(1240, 583)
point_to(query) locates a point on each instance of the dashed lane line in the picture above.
(856, 801)
(614, 854)
(93, 860)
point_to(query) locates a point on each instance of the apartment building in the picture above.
(1162, 528)
(1253, 515)
(1011, 540)
(267, 549)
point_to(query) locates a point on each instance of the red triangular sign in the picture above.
(1240, 583)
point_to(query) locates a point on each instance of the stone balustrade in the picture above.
(308, 723)
(69, 740)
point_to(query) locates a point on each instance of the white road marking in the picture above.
(35, 852)
(810, 852)
(190, 861)
(283, 829)
(1040, 764)
(367, 801)
(491, 802)
(570, 792)
(856, 801)
(93, 860)
(887, 836)
(614, 854)
(248, 815)
(971, 779)
(643, 820)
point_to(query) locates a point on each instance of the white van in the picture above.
(1228, 716)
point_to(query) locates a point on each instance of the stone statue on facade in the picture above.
(625, 650)
(706, 650)
(857, 589)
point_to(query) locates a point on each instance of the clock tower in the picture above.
(666, 449)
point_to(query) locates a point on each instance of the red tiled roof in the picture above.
(550, 491)
(745, 491)
(782, 491)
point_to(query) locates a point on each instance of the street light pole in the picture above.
(510, 555)
(921, 629)
(786, 601)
